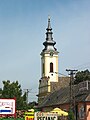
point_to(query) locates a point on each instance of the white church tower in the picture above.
(49, 57)
(49, 65)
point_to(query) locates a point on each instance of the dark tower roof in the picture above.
(49, 43)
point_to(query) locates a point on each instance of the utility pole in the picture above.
(72, 90)
(27, 92)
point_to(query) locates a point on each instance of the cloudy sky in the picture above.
(23, 26)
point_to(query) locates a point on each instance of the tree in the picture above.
(13, 90)
(82, 76)
(71, 115)
(32, 104)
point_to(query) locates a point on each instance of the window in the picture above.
(51, 67)
(43, 69)
(81, 112)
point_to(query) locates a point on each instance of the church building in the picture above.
(54, 91)
(50, 81)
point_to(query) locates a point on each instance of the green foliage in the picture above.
(82, 76)
(32, 105)
(71, 115)
(13, 90)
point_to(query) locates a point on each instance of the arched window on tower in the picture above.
(51, 67)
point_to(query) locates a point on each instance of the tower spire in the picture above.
(49, 43)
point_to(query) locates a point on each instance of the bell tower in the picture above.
(49, 65)
(49, 56)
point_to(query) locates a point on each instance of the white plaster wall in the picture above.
(53, 76)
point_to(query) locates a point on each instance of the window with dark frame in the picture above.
(51, 67)
(43, 69)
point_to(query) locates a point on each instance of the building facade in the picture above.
(61, 99)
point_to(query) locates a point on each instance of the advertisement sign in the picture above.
(29, 115)
(7, 106)
(46, 116)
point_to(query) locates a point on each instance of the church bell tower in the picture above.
(49, 57)
(49, 65)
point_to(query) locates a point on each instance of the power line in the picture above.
(61, 74)
(85, 65)
(79, 67)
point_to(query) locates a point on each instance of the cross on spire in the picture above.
(49, 25)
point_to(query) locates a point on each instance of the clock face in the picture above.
(51, 53)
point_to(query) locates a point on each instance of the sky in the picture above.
(23, 26)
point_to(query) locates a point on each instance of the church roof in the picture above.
(62, 96)
(62, 82)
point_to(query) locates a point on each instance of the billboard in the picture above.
(7, 106)
(46, 116)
